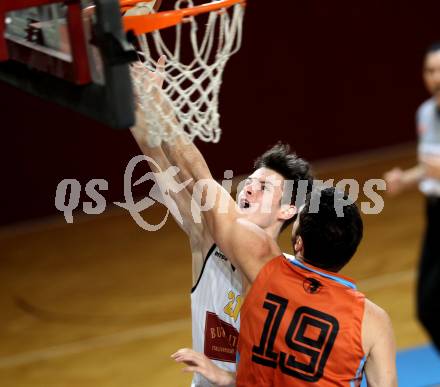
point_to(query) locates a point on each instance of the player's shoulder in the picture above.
(375, 314)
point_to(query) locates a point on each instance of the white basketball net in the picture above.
(191, 82)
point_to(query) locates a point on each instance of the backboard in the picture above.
(60, 51)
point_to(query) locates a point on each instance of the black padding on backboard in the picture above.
(111, 103)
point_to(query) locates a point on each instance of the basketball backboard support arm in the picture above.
(67, 80)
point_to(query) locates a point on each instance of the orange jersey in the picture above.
(300, 326)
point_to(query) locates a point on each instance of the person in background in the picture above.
(427, 175)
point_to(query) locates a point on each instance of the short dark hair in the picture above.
(433, 47)
(280, 159)
(329, 240)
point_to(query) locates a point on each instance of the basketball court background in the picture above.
(104, 303)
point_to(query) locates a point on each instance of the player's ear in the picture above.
(288, 211)
(157, 5)
(298, 245)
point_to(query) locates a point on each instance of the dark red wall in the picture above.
(330, 78)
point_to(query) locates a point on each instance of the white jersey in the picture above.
(216, 300)
(428, 126)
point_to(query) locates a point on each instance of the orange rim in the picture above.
(127, 4)
(142, 24)
(131, 3)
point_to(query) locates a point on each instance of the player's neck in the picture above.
(299, 257)
(273, 231)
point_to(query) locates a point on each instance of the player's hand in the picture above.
(146, 79)
(431, 166)
(395, 181)
(198, 362)
(148, 88)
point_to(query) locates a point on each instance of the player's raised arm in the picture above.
(183, 197)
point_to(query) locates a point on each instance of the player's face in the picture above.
(260, 197)
(431, 74)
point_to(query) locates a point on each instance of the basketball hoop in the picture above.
(191, 76)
